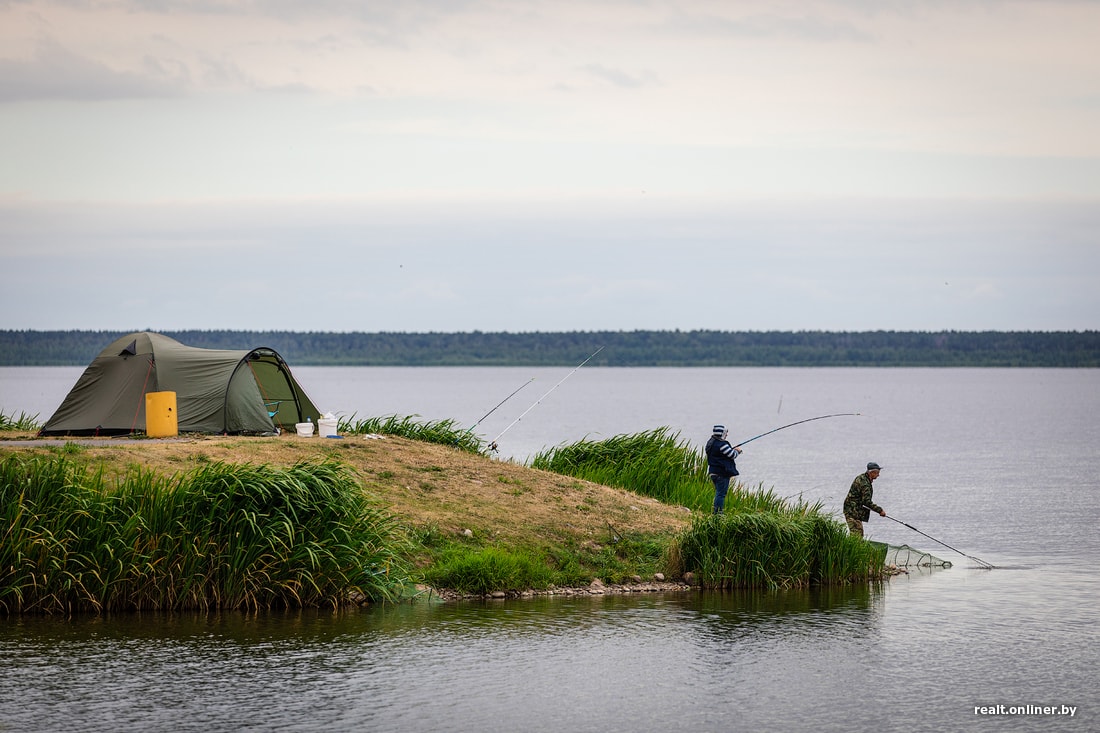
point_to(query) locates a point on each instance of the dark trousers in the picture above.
(721, 488)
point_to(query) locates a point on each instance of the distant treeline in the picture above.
(619, 348)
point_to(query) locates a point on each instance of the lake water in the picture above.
(1001, 464)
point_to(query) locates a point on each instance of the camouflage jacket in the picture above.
(859, 498)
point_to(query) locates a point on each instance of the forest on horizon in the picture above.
(1076, 349)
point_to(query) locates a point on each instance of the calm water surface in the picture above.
(1001, 464)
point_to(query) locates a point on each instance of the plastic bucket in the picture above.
(160, 415)
(326, 427)
(305, 429)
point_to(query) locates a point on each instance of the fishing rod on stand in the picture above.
(493, 444)
(490, 412)
(981, 563)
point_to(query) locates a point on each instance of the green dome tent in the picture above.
(217, 390)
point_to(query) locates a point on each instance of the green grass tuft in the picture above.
(443, 432)
(24, 423)
(487, 569)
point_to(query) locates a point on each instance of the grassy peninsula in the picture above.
(249, 522)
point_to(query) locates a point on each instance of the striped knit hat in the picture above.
(719, 430)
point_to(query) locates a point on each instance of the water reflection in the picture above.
(495, 666)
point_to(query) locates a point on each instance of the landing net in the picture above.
(904, 556)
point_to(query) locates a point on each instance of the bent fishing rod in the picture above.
(984, 565)
(809, 419)
(493, 444)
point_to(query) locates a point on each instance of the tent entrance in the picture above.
(283, 399)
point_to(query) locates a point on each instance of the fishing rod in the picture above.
(809, 419)
(490, 412)
(493, 444)
(984, 565)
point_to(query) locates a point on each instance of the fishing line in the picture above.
(984, 565)
(493, 444)
(809, 419)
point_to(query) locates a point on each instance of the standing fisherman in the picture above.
(721, 464)
(859, 502)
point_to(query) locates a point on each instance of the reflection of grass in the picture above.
(221, 536)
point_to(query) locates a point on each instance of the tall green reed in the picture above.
(221, 536)
(656, 463)
(772, 550)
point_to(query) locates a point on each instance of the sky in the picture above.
(453, 165)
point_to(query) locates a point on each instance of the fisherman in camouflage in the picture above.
(859, 503)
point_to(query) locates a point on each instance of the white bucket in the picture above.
(327, 427)
(305, 429)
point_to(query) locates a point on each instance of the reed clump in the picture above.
(222, 536)
(656, 463)
(773, 550)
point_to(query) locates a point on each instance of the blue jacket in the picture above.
(721, 457)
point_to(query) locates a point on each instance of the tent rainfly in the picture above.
(217, 390)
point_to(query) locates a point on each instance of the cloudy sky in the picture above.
(451, 165)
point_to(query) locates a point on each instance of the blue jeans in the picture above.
(721, 488)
